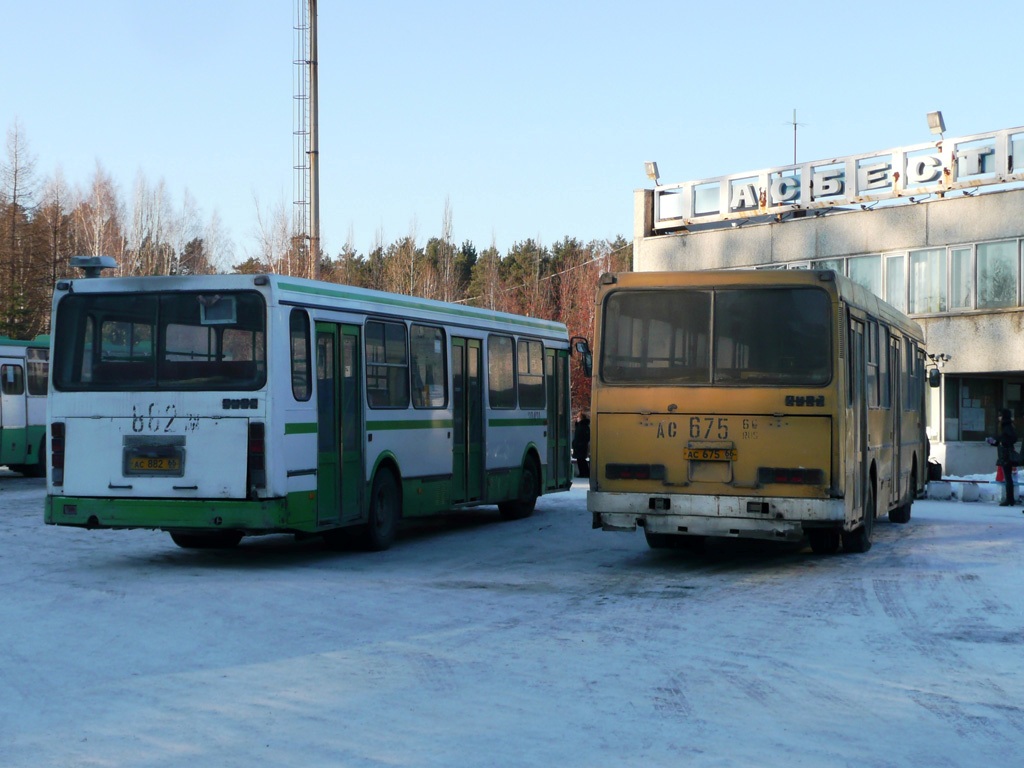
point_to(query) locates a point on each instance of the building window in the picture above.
(928, 281)
(867, 270)
(896, 281)
(836, 265)
(961, 279)
(997, 274)
(980, 400)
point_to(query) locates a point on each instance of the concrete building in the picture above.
(935, 229)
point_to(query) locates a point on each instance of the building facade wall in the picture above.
(986, 347)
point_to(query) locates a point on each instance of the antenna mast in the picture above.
(307, 140)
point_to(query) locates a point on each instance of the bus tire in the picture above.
(901, 514)
(824, 541)
(660, 540)
(215, 540)
(529, 485)
(39, 468)
(859, 539)
(684, 542)
(384, 512)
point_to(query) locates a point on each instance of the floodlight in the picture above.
(652, 171)
(935, 123)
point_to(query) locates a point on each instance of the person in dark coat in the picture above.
(1004, 443)
(581, 444)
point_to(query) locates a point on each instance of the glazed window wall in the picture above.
(959, 278)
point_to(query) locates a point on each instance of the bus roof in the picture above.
(38, 341)
(334, 296)
(848, 290)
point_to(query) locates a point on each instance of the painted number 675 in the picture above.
(709, 427)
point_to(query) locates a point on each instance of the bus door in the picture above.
(467, 421)
(12, 411)
(896, 402)
(857, 470)
(339, 424)
(556, 374)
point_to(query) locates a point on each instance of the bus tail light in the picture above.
(257, 456)
(57, 452)
(797, 476)
(634, 471)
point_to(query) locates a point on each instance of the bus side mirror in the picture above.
(934, 377)
(582, 347)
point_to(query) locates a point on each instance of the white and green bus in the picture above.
(23, 374)
(222, 406)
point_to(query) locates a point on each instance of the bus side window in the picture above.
(298, 324)
(530, 374)
(38, 363)
(501, 372)
(427, 357)
(13, 379)
(387, 365)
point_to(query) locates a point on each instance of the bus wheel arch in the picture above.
(528, 492)
(383, 508)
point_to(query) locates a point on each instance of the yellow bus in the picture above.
(754, 404)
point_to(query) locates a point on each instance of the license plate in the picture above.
(709, 454)
(157, 465)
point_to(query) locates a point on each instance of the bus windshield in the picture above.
(731, 337)
(170, 341)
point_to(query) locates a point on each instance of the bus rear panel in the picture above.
(740, 404)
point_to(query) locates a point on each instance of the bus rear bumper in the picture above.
(730, 516)
(167, 514)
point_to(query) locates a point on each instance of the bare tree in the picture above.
(274, 235)
(219, 247)
(446, 256)
(17, 177)
(98, 220)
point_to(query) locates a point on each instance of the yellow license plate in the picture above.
(157, 464)
(709, 454)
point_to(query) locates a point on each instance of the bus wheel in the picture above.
(529, 483)
(902, 513)
(824, 541)
(660, 540)
(216, 540)
(859, 539)
(39, 468)
(385, 511)
(684, 542)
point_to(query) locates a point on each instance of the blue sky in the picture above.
(532, 118)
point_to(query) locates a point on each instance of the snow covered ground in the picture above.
(475, 642)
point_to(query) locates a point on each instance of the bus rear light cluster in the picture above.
(798, 476)
(57, 452)
(634, 471)
(257, 456)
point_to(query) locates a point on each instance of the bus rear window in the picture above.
(176, 341)
(731, 337)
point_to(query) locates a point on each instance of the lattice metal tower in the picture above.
(306, 180)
